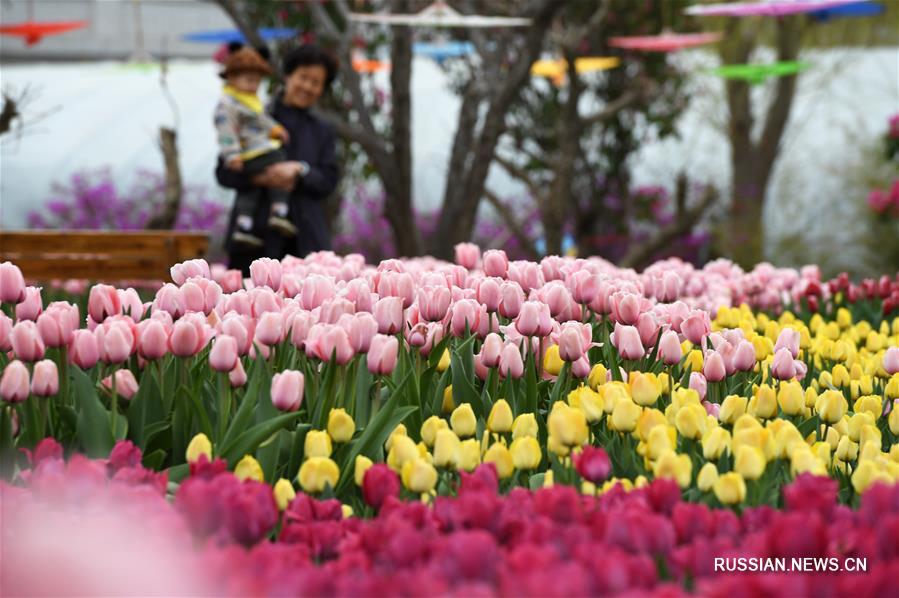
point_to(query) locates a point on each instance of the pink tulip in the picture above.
(238, 302)
(625, 308)
(480, 370)
(223, 354)
(713, 409)
(84, 351)
(433, 302)
(713, 367)
(266, 272)
(467, 255)
(299, 328)
(511, 300)
(496, 263)
(648, 327)
(270, 328)
(262, 300)
(581, 368)
(189, 269)
(388, 311)
(574, 340)
(5, 331)
(14, 386)
(491, 350)
(727, 352)
(510, 363)
(526, 274)
(602, 302)
(30, 307)
(584, 286)
(627, 340)
(397, 284)
(552, 268)
(488, 293)
(186, 339)
(229, 280)
(75, 286)
(670, 350)
(152, 339)
(534, 319)
(361, 329)
(26, 341)
(237, 377)
(677, 313)
(316, 290)
(891, 360)
(125, 384)
(241, 328)
(556, 297)
(115, 341)
(783, 367)
(358, 291)
(287, 390)
(103, 302)
(699, 384)
(744, 356)
(326, 340)
(12, 283)
(466, 314)
(670, 288)
(170, 299)
(801, 368)
(45, 382)
(696, 326)
(788, 339)
(382, 355)
(57, 324)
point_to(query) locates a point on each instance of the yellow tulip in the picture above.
(892, 388)
(691, 421)
(525, 425)
(526, 453)
(730, 488)
(841, 378)
(893, 419)
(362, 465)
(470, 455)
(661, 440)
(589, 401)
(791, 397)
(645, 389)
(447, 449)
(284, 493)
(346, 511)
(430, 427)
(844, 318)
(341, 426)
(500, 419)
(694, 360)
(805, 461)
(749, 462)
(597, 376)
(463, 421)
(419, 476)
(401, 451)
(199, 446)
(317, 473)
(764, 404)
(867, 474)
(831, 406)
(764, 347)
(249, 468)
(552, 363)
(500, 456)
(846, 450)
(568, 425)
(317, 444)
(857, 422)
(732, 408)
(714, 442)
(399, 430)
(707, 478)
(612, 393)
(555, 446)
(673, 466)
(649, 419)
(448, 403)
(444, 362)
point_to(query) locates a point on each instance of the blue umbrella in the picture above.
(860, 9)
(440, 51)
(224, 36)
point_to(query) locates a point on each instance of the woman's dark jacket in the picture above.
(312, 140)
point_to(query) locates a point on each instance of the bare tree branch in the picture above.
(519, 173)
(610, 110)
(508, 218)
(591, 26)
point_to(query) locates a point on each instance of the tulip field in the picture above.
(486, 427)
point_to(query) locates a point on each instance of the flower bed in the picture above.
(615, 405)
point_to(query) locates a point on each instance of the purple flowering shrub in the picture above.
(91, 200)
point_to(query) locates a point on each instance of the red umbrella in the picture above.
(665, 42)
(33, 31)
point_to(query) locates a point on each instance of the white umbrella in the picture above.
(439, 14)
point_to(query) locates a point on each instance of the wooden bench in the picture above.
(45, 255)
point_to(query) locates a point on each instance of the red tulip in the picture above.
(378, 484)
(593, 464)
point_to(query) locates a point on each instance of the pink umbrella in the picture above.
(769, 8)
(665, 42)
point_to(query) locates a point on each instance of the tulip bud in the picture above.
(45, 382)
(14, 385)
(341, 426)
(467, 255)
(430, 427)
(287, 390)
(223, 355)
(284, 493)
(318, 473)
(249, 468)
(730, 488)
(84, 351)
(510, 363)
(470, 455)
(30, 307)
(362, 465)
(500, 419)
(675, 467)
(708, 477)
(237, 377)
(378, 483)
(317, 444)
(199, 446)
(593, 464)
(526, 453)
(627, 340)
(12, 283)
(419, 476)
(26, 341)
(447, 449)
(126, 384)
(749, 462)
(463, 421)
(382, 355)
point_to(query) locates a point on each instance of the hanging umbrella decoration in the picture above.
(32, 32)
(438, 14)
(555, 70)
(664, 42)
(226, 36)
(440, 51)
(755, 74)
(369, 65)
(859, 9)
(767, 8)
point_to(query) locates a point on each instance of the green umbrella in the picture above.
(758, 73)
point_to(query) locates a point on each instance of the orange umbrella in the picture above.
(366, 65)
(555, 69)
(33, 32)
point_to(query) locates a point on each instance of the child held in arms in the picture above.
(250, 140)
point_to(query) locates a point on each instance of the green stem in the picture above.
(114, 404)
(224, 405)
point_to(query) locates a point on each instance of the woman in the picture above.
(310, 174)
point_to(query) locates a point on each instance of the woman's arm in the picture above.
(231, 179)
(321, 178)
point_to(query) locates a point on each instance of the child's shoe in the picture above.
(243, 234)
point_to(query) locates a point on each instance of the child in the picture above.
(250, 141)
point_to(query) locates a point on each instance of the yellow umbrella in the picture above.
(556, 69)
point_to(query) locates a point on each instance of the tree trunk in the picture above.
(168, 216)
(399, 207)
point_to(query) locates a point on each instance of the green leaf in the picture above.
(375, 434)
(536, 481)
(94, 433)
(530, 388)
(178, 472)
(246, 443)
(154, 460)
(362, 401)
(145, 409)
(243, 417)
(462, 367)
(809, 425)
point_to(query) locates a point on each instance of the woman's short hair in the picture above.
(309, 55)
